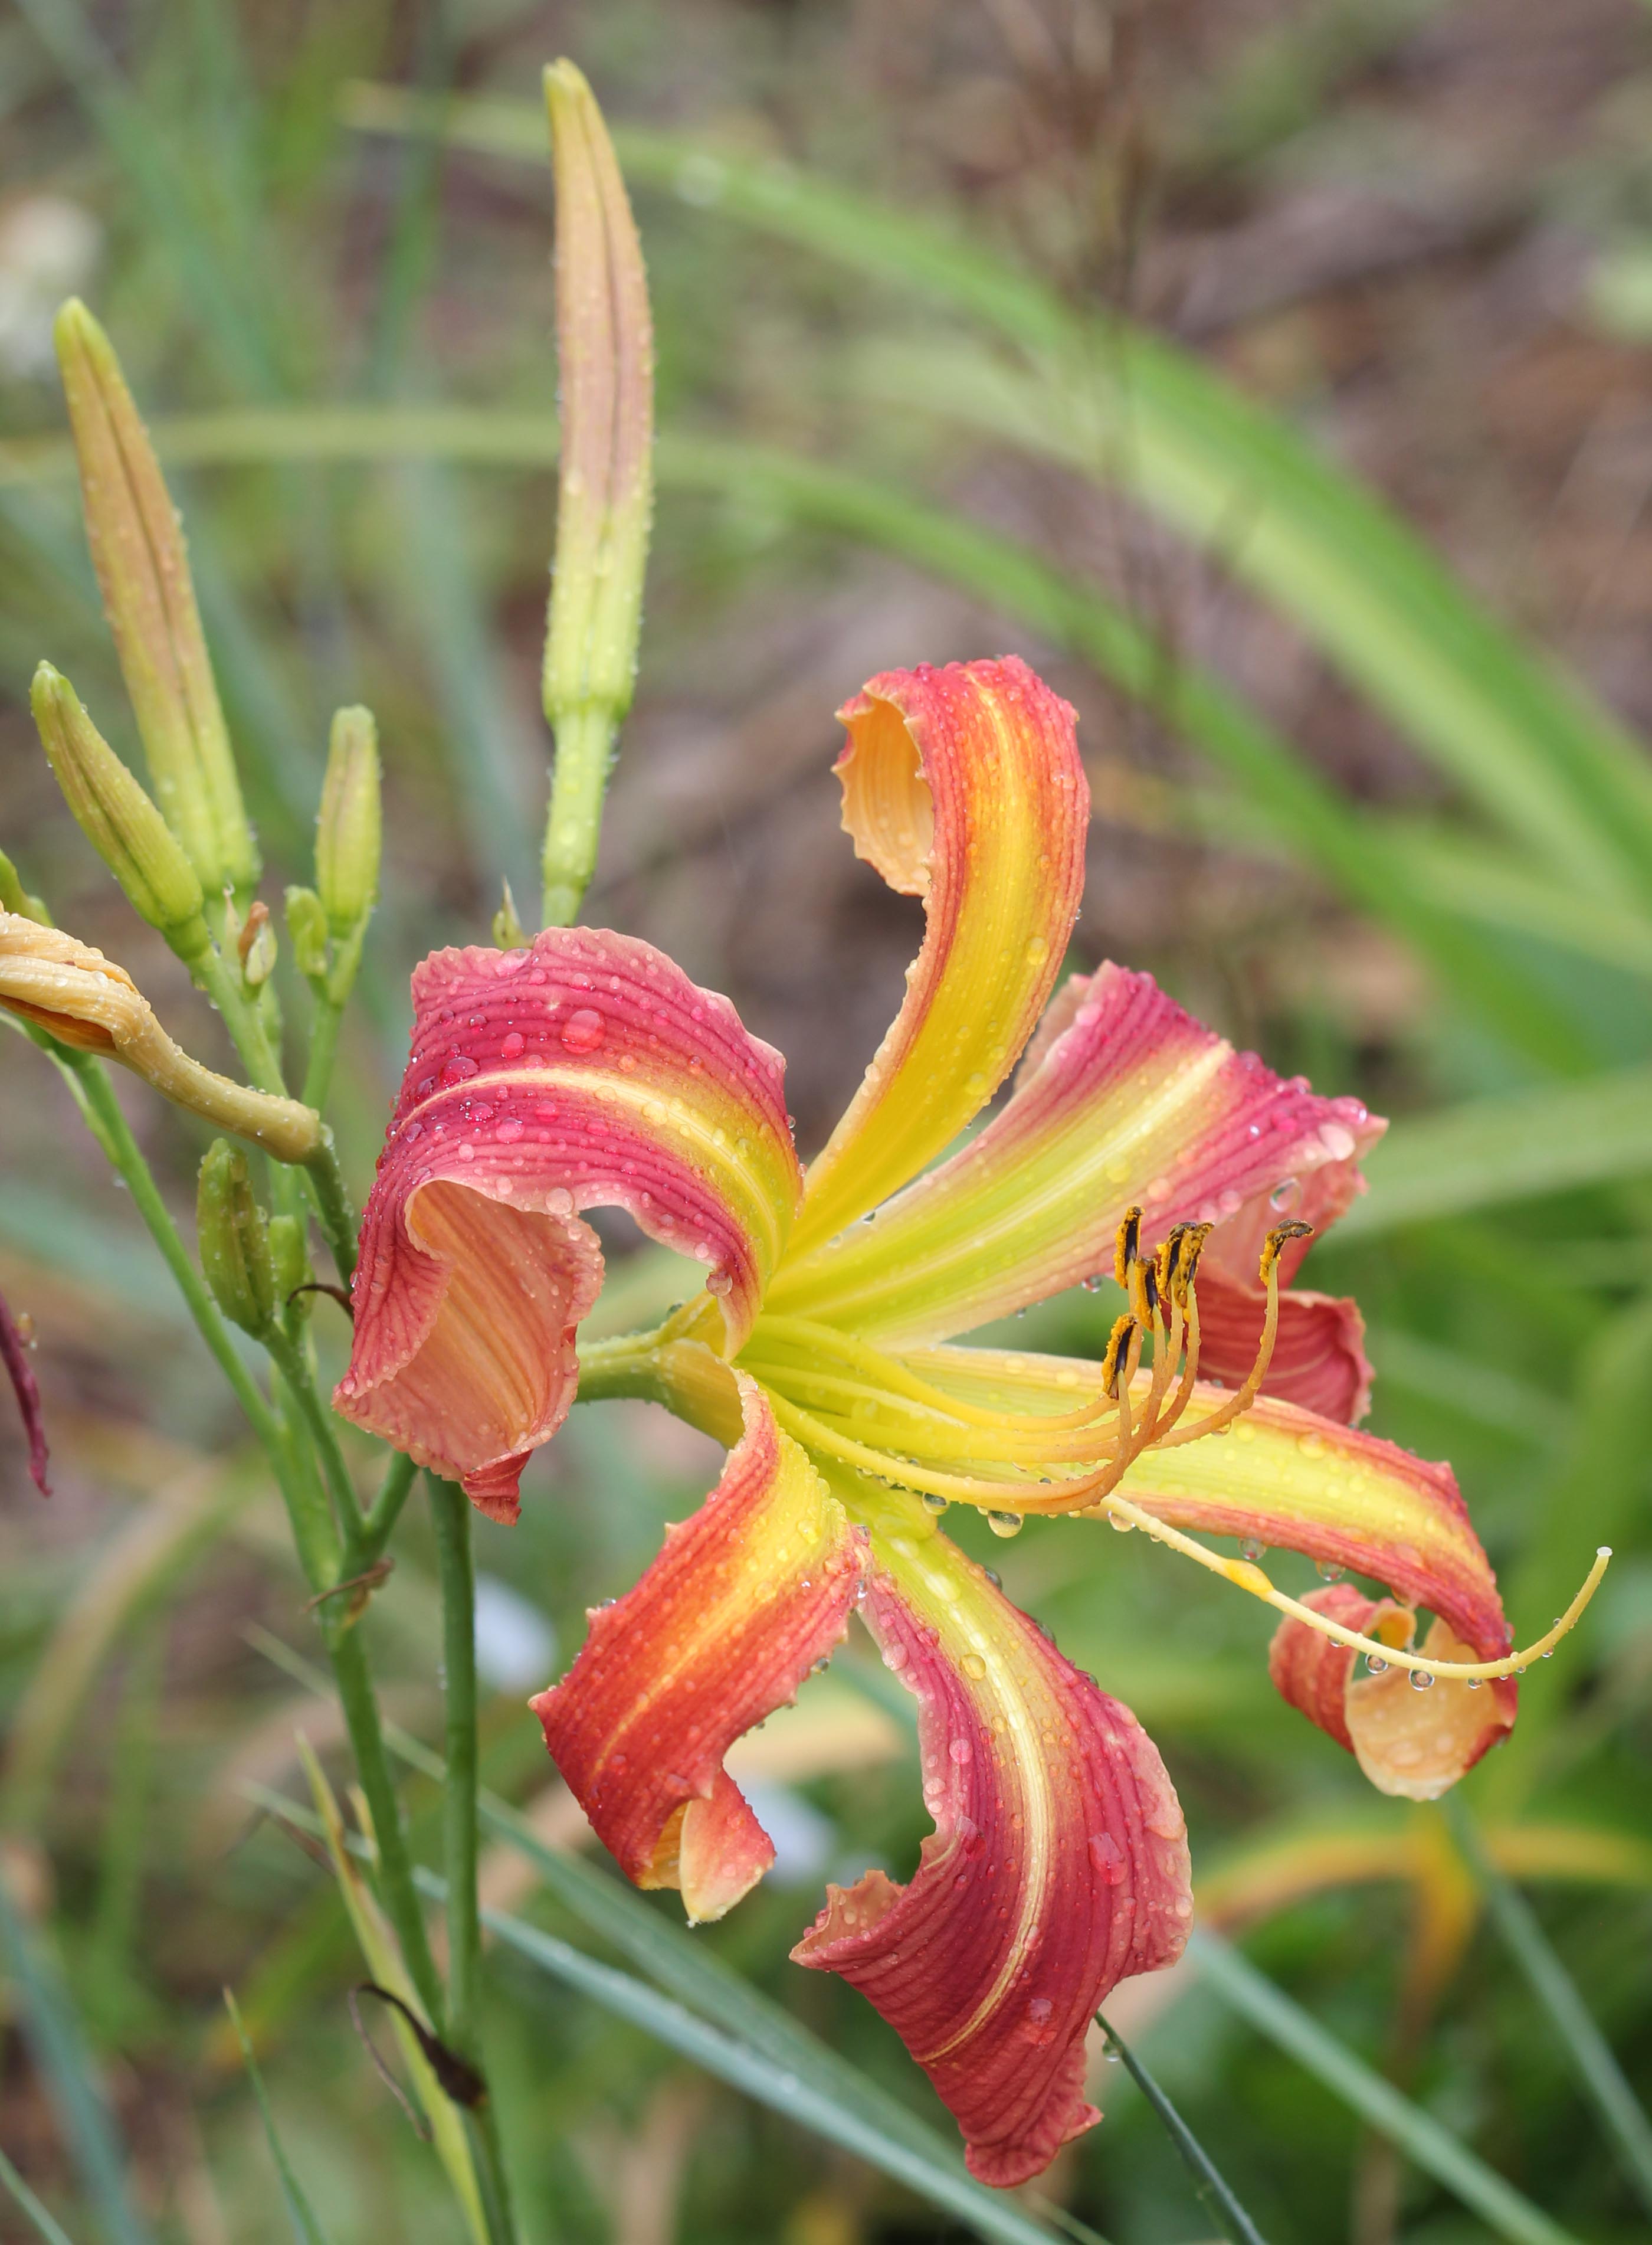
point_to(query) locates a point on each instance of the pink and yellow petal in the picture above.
(1318, 1357)
(584, 1071)
(1057, 1867)
(1131, 1102)
(1281, 1476)
(1410, 1742)
(741, 1602)
(962, 786)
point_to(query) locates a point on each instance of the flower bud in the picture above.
(14, 899)
(289, 1258)
(234, 1235)
(139, 553)
(605, 347)
(307, 931)
(348, 834)
(86, 1002)
(116, 817)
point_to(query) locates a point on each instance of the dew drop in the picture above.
(1004, 1523)
(1329, 1572)
(974, 1667)
(1421, 1680)
(1251, 1549)
(933, 1503)
(583, 1031)
(514, 1046)
(1375, 1667)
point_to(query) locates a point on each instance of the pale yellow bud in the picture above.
(139, 553)
(605, 349)
(348, 826)
(116, 817)
(86, 1002)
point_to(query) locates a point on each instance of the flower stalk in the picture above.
(605, 345)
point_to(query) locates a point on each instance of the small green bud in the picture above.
(508, 934)
(307, 931)
(348, 830)
(14, 897)
(116, 817)
(233, 1234)
(143, 566)
(290, 1260)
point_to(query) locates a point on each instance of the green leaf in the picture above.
(1138, 413)
(52, 2032)
(765, 2046)
(1516, 1146)
(45, 2226)
(1590, 2053)
(1378, 2102)
(756, 2073)
(306, 2229)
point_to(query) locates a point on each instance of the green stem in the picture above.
(323, 1050)
(386, 1508)
(451, 1517)
(313, 1531)
(318, 1422)
(1599, 2071)
(1208, 2187)
(395, 1865)
(94, 1096)
(585, 738)
(262, 1063)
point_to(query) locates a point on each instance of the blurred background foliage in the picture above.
(1127, 335)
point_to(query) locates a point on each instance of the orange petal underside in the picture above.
(722, 1629)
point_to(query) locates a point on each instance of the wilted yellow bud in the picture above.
(137, 550)
(234, 1236)
(348, 830)
(116, 817)
(14, 897)
(85, 1000)
(604, 346)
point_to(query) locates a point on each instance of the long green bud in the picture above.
(604, 346)
(349, 828)
(137, 550)
(234, 1235)
(116, 817)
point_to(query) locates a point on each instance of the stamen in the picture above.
(1243, 1397)
(1118, 1340)
(890, 1374)
(1126, 1245)
(1250, 1577)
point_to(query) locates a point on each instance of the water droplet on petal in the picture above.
(583, 1031)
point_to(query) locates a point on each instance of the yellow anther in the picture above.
(1126, 1245)
(1118, 1340)
(1273, 1245)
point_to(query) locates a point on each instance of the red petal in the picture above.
(722, 1628)
(1057, 1867)
(587, 1071)
(1409, 1743)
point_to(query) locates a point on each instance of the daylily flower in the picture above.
(587, 1071)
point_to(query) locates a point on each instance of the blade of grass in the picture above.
(1208, 2187)
(1281, 786)
(1516, 1146)
(52, 2033)
(692, 1971)
(1417, 2134)
(45, 2226)
(1552, 1985)
(306, 2229)
(755, 2073)
(1127, 406)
